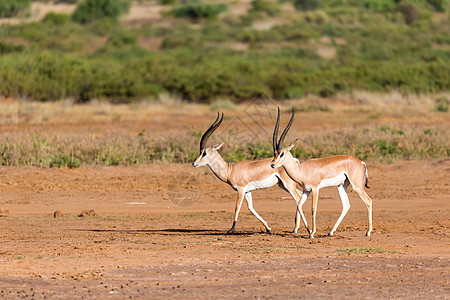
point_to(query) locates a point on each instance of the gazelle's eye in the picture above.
(282, 154)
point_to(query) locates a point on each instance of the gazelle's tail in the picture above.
(366, 177)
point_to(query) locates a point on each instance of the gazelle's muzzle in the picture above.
(274, 162)
(195, 163)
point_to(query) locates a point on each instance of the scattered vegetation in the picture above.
(10, 8)
(271, 8)
(350, 251)
(442, 104)
(307, 4)
(198, 10)
(90, 10)
(409, 11)
(374, 144)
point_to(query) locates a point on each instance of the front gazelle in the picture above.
(314, 174)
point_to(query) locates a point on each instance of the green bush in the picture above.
(439, 5)
(9, 48)
(168, 2)
(379, 5)
(271, 8)
(10, 8)
(409, 11)
(307, 4)
(91, 10)
(56, 19)
(442, 104)
(198, 10)
(67, 1)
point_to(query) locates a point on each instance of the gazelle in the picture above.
(314, 174)
(246, 176)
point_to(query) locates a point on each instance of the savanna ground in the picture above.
(160, 228)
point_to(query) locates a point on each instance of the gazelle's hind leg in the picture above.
(315, 201)
(368, 202)
(358, 179)
(342, 190)
(248, 197)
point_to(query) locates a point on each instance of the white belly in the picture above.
(335, 181)
(262, 184)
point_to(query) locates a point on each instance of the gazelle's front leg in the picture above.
(248, 197)
(299, 211)
(305, 195)
(315, 201)
(237, 208)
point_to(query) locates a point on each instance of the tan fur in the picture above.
(240, 176)
(314, 172)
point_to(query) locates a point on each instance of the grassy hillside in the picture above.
(204, 50)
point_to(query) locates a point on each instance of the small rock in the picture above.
(4, 213)
(58, 214)
(88, 213)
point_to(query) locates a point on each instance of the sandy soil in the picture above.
(156, 235)
(160, 229)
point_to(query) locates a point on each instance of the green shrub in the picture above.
(168, 2)
(56, 19)
(270, 7)
(10, 8)
(317, 16)
(9, 48)
(91, 10)
(103, 26)
(121, 39)
(67, 1)
(379, 5)
(442, 104)
(198, 10)
(307, 4)
(409, 11)
(439, 5)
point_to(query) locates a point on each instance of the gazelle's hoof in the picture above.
(311, 237)
(231, 231)
(330, 234)
(368, 234)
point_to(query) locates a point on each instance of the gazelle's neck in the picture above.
(219, 167)
(293, 169)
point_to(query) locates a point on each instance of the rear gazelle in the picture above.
(314, 174)
(246, 176)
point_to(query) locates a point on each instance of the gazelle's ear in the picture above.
(217, 147)
(292, 145)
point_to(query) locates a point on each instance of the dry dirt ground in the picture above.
(156, 235)
(160, 229)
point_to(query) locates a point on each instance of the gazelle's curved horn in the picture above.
(275, 132)
(283, 135)
(210, 131)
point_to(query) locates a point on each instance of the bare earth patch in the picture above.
(160, 249)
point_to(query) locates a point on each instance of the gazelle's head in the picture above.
(207, 155)
(282, 155)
